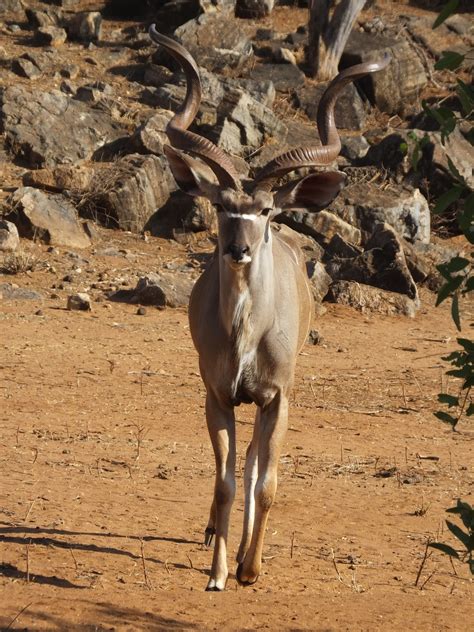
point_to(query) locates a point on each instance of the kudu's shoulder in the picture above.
(288, 241)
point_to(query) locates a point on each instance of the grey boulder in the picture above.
(48, 217)
(9, 238)
(366, 298)
(48, 128)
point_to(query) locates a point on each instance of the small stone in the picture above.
(314, 337)
(67, 88)
(285, 55)
(39, 312)
(86, 27)
(25, 68)
(94, 93)
(141, 311)
(9, 238)
(253, 9)
(39, 19)
(70, 71)
(50, 36)
(80, 301)
(285, 77)
(10, 6)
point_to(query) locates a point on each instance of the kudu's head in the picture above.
(244, 209)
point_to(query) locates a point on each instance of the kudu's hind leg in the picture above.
(272, 429)
(221, 425)
(250, 479)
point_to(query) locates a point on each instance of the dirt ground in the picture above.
(106, 470)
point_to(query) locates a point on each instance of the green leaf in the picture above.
(448, 288)
(450, 400)
(466, 96)
(455, 312)
(466, 344)
(440, 114)
(453, 357)
(445, 12)
(470, 136)
(403, 147)
(446, 418)
(469, 205)
(450, 60)
(447, 128)
(448, 198)
(460, 534)
(454, 172)
(415, 158)
(445, 114)
(468, 381)
(445, 548)
(463, 373)
(456, 264)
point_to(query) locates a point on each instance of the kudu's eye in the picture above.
(266, 211)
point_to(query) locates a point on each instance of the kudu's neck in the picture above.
(246, 296)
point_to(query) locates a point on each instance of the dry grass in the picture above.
(18, 262)
(93, 201)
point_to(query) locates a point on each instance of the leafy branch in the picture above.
(466, 538)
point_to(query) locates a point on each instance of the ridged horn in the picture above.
(177, 129)
(313, 155)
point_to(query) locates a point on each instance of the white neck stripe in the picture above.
(248, 216)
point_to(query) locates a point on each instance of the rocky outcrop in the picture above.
(322, 225)
(350, 111)
(397, 88)
(407, 211)
(45, 129)
(382, 264)
(126, 193)
(215, 40)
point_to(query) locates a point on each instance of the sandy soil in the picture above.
(106, 470)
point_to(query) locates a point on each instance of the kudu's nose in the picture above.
(237, 252)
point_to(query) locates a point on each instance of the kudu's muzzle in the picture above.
(237, 252)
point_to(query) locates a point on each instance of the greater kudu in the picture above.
(250, 310)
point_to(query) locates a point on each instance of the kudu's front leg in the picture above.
(250, 479)
(221, 425)
(273, 423)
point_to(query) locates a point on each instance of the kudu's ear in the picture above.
(317, 189)
(192, 177)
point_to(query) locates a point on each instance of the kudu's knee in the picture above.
(265, 494)
(224, 492)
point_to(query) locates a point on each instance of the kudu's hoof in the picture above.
(213, 589)
(209, 534)
(243, 582)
